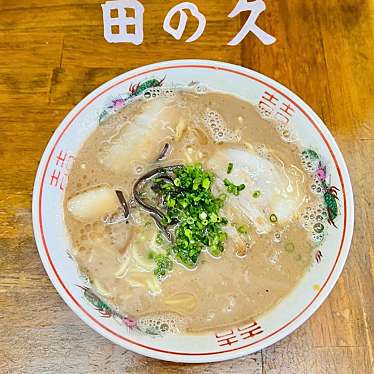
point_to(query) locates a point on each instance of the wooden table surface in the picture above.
(52, 53)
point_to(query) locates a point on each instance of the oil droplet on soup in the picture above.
(125, 242)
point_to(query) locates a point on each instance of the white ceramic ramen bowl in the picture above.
(275, 101)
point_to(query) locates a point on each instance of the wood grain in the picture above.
(53, 53)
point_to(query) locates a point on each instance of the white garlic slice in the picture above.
(93, 204)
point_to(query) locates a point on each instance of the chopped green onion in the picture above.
(190, 220)
(159, 239)
(256, 194)
(196, 184)
(171, 203)
(242, 229)
(167, 219)
(273, 218)
(232, 188)
(215, 251)
(203, 215)
(222, 197)
(230, 167)
(213, 218)
(241, 187)
(164, 264)
(206, 183)
(188, 233)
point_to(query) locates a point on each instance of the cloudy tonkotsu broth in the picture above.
(262, 250)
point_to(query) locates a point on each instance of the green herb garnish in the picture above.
(230, 167)
(256, 194)
(164, 264)
(191, 202)
(242, 229)
(160, 239)
(273, 218)
(232, 188)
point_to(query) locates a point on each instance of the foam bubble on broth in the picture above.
(155, 92)
(317, 187)
(159, 324)
(310, 164)
(314, 219)
(215, 124)
(286, 132)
